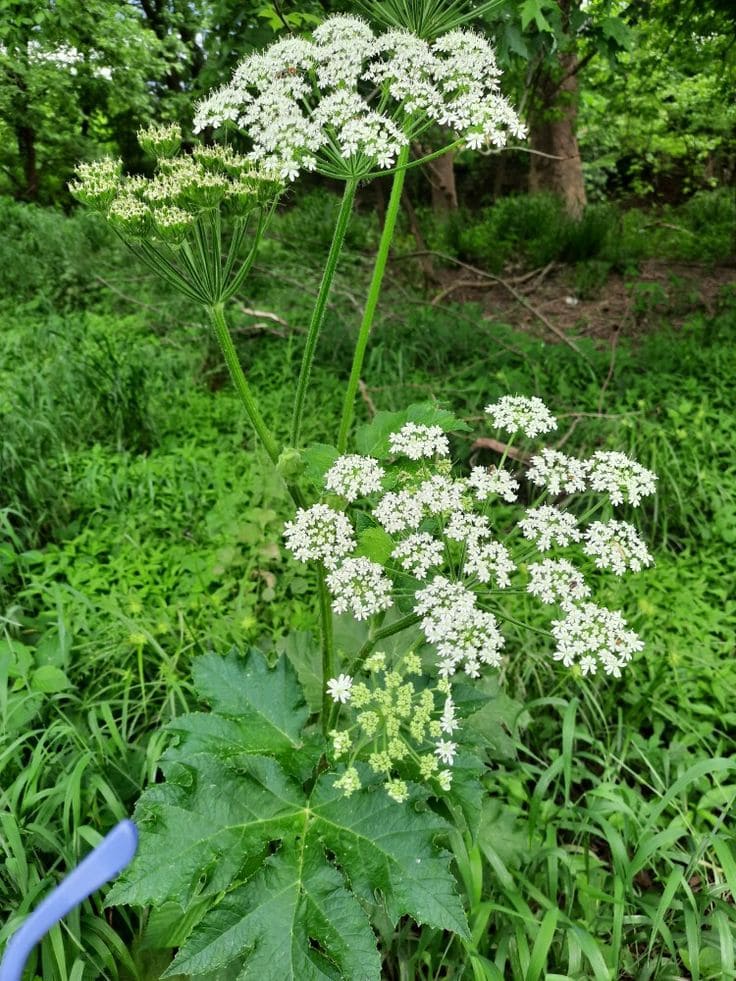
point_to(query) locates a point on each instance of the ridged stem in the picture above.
(219, 324)
(318, 314)
(372, 299)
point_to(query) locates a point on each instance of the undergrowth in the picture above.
(134, 508)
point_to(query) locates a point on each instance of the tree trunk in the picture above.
(26, 138)
(552, 132)
(441, 173)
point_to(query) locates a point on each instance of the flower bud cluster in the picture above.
(184, 187)
(347, 101)
(398, 726)
(449, 552)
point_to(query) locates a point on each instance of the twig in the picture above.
(486, 443)
(365, 395)
(538, 275)
(266, 314)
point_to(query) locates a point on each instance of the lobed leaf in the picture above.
(286, 875)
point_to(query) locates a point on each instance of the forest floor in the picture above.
(585, 301)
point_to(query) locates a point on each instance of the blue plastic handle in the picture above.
(110, 857)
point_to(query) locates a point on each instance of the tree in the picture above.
(545, 45)
(66, 69)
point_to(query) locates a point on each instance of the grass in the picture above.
(133, 531)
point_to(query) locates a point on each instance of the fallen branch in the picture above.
(486, 443)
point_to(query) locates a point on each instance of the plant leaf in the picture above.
(373, 438)
(293, 920)
(380, 844)
(286, 876)
(266, 701)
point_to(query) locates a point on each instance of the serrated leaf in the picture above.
(295, 920)
(372, 439)
(287, 875)
(267, 701)
(495, 725)
(503, 832)
(531, 10)
(198, 829)
(319, 457)
(304, 654)
(380, 844)
(617, 30)
(467, 790)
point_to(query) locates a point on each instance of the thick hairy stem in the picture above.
(372, 300)
(217, 317)
(318, 314)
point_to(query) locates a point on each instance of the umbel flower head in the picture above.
(345, 102)
(453, 554)
(173, 220)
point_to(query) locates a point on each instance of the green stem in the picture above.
(217, 316)
(415, 163)
(393, 628)
(318, 314)
(372, 300)
(328, 647)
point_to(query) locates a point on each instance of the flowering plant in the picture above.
(303, 815)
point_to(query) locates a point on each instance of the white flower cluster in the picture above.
(320, 534)
(616, 545)
(486, 483)
(465, 636)
(557, 581)
(557, 472)
(97, 183)
(621, 478)
(419, 553)
(182, 188)
(161, 140)
(360, 586)
(350, 96)
(516, 413)
(591, 636)
(465, 552)
(417, 441)
(354, 476)
(546, 526)
(489, 561)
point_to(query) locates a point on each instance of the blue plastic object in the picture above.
(114, 852)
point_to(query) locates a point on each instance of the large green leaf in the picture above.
(276, 917)
(288, 875)
(267, 702)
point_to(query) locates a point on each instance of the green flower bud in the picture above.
(290, 463)
(160, 140)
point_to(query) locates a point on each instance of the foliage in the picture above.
(533, 230)
(295, 910)
(661, 119)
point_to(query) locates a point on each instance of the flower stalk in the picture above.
(374, 291)
(318, 314)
